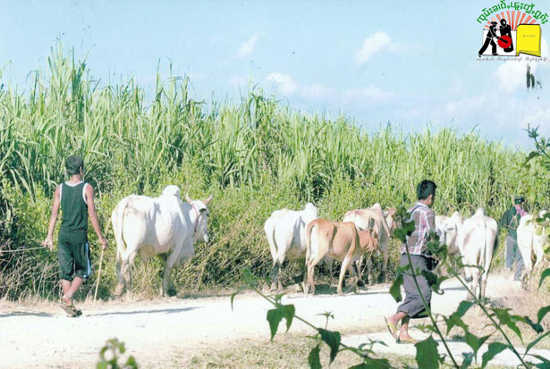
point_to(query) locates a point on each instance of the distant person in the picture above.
(510, 221)
(489, 39)
(76, 199)
(413, 306)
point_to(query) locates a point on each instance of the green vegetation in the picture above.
(254, 157)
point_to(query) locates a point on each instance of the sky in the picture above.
(413, 65)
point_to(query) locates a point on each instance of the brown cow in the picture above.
(335, 240)
(384, 224)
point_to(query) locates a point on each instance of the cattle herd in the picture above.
(168, 226)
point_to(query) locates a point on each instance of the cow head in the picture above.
(199, 217)
(451, 229)
(171, 190)
(310, 213)
(389, 215)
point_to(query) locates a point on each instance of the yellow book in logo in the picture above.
(528, 39)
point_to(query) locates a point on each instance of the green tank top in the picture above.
(74, 209)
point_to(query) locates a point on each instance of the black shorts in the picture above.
(73, 254)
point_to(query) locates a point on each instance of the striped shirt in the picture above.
(424, 222)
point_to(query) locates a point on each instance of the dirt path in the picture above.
(42, 337)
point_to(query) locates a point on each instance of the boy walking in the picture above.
(76, 200)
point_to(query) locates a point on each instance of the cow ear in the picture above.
(208, 200)
(187, 198)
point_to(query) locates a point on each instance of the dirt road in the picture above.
(42, 337)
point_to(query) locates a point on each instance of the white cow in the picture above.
(532, 237)
(286, 234)
(447, 228)
(476, 243)
(164, 225)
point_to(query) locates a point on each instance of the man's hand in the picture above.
(103, 243)
(48, 242)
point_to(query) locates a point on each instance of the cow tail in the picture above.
(488, 254)
(309, 229)
(117, 220)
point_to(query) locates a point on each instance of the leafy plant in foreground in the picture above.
(110, 355)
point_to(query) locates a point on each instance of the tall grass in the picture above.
(255, 157)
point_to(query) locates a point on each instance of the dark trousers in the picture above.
(513, 256)
(413, 305)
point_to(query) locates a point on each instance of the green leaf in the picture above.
(468, 357)
(101, 365)
(494, 349)
(545, 362)
(535, 326)
(332, 339)
(131, 362)
(288, 314)
(434, 281)
(274, 317)
(371, 363)
(505, 318)
(313, 358)
(427, 356)
(455, 319)
(543, 276)
(542, 313)
(395, 289)
(533, 343)
(475, 342)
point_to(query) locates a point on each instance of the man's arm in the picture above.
(89, 192)
(48, 242)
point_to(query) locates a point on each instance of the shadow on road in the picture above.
(154, 311)
(24, 313)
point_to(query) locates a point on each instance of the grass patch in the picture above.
(287, 352)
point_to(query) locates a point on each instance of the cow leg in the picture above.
(358, 263)
(275, 275)
(170, 262)
(124, 275)
(345, 266)
(330, 263)
(310, 274)
(120, 264)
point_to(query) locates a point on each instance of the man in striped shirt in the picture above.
(413, 306)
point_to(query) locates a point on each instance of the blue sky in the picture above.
(413, 64)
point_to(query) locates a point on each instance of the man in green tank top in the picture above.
(76, 200)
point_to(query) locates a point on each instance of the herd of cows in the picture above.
(168, 226)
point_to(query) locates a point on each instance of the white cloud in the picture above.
(370, 93)
(284, 83)
(372, 45)
(287, 85)
(511, 74)
(316, 91)
(248, 46)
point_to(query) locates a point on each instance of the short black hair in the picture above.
(73, 164)
(425, 189)
(519, 200)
